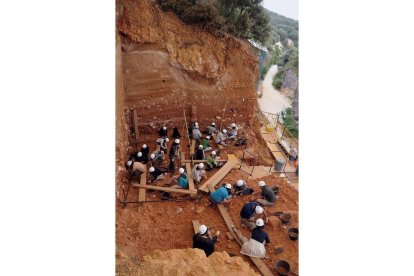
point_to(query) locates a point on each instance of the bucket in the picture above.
(282, 267)
(285, 217)
(293, 233)
(279, 164)
(165, 195)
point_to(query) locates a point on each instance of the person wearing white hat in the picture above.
(175, 146)
(232, 134)
(141, 158)
(221, 195)
(250, 247)
(206, 144)
(163, 131)
(198, 172)
(249, 212)
(197, 134)
(259, 234)
(241, 188)
(199, 154)
(267, 197)
(203, 240)
(213, 161)
(157, 158)
(221, 137)
(181, 180)
(145, 152)
(156, 174)
(163, 142)
(211, 129)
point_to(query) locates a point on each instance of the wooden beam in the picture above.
(192, 149)
(135, 120)
(220, 174)
(203, 161)
(190, 179)
(166, 189)
(182, 157)
(196, 225)
(141, 195)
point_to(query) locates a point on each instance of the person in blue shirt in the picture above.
(182, 180)
(248, 213)
(220, 195)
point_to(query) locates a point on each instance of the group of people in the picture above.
(220, 135)
(252, 216)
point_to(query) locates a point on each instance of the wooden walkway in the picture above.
(220, 174)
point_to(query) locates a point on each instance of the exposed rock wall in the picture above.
(169, 66)
(290, 80)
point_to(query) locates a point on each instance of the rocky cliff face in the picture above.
(168, 67)
(290, 80)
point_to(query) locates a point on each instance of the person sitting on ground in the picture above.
(135, 169)
(211, 129)
(259, 234)
(251, 247)
(145, 151)
(204, 241)
(199, 154)
(156, 174)
(141, 158)
(248, 213)
(221, 195)
(197, 134)
(206, 144)
(157, 158)
(176, 134)
(267, 197)
(182, 180)
(232, 134)
(241, 188)
(163, 131)
(164, 144)
(198, 172)
(212, 161)
(221, 137)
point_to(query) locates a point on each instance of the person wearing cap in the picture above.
(221, 195)
(157, 158)
(198, 172)
(250, 247)
(206, 144)
(135, 169)
(241, 188)
(156, 174)
(259, 234)
(163, 131)
(212, 161)
(175, 146)
(221, 137)
(145, 151)
(211, 129)
(267, 197)
(248, 213)
(203, 240)
(141, 158)
(232, 133)
(199, 154)
(181, 180)
(197, 134)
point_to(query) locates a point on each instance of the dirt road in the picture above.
(272, 100)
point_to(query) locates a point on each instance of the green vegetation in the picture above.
(243, 18)
(282, 28)
(288, 60)
(290, 123)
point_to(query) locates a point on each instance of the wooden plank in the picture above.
(190, 179)
(166, 189)
(141, 195)
(203, 161)
(192, 149)
(263, 268)
(196, 225)
(221, 173)
(182, 157)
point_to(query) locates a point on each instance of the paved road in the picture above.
(272, 100)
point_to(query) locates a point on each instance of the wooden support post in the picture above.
(141, 196)
(136, 132)
(190, 179)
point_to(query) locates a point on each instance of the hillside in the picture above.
(282, 28)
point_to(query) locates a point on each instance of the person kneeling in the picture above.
(221, 195)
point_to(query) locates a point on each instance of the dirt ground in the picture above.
(142, 228)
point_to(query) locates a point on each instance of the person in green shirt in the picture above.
(212, 161)
(206, 144)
